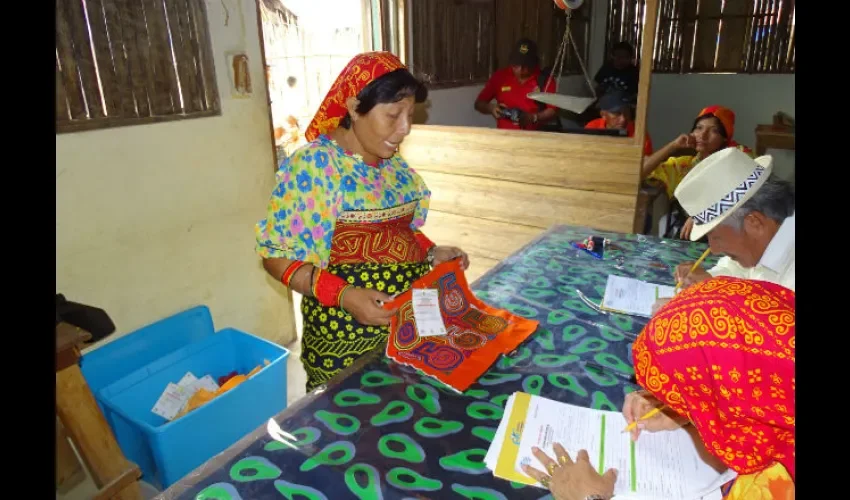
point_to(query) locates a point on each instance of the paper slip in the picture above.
(492, 455)
(173, 400)
(426, 312)
(188, 380)
(207, 382)
(659, 466)
(175, 396)
(632, 296)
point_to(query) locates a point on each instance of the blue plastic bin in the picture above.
(167, 451)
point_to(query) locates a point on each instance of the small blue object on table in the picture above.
(380, 430)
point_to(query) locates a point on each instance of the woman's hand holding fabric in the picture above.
(445, 254)
(365, 305)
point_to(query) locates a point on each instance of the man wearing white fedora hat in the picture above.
(747, 214)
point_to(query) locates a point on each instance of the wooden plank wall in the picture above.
(493, 190)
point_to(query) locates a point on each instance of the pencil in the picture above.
(649, 414)
(693, 268)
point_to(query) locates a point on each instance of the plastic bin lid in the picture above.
(114, 360)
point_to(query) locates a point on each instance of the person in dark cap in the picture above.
(615, 109)
(505, 96)
(619, 73)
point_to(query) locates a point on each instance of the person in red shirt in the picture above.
(616, 112)
(509, 88)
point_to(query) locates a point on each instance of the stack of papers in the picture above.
(658, 466)
(175, 396)
(633, 296)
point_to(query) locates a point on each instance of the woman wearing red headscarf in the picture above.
(720, 356)
(713, 130)
(343, 224)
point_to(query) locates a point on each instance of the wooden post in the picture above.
(642, 112)
(647, 45)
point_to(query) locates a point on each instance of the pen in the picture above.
(693, 268)
(651, 413)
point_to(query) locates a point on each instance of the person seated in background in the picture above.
(712, 131)
(615, 109)
(756, 233)
(505, 96)
(739, 397)
(619, 73)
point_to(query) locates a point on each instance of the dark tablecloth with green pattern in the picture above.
(382, 431)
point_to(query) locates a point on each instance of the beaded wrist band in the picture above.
(328, 288)
(290, 271)
(342, 296)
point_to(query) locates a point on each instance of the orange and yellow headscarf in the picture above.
(725, 116)
(362, 70)
(721, 353)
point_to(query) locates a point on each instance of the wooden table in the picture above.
(775, 137)
(115, 476)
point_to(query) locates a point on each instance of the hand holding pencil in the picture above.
(688, 273)
(645, 413)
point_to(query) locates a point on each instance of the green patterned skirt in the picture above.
(333, 339)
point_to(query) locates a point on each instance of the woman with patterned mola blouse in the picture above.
(343, 226)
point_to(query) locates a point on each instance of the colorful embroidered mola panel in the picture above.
(477, 334)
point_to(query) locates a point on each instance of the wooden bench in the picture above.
(76, 408)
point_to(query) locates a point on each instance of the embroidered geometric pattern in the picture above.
(728, 201)
(476, 334)
(388, 242)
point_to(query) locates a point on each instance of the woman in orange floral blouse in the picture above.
(720, 356)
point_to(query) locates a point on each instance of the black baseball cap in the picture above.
(525, 54)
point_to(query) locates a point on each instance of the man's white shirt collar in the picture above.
(780, 251)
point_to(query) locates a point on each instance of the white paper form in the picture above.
(659, 466)
(426, 311)
(495, 448)
(632, 296)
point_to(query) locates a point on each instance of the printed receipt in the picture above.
(426, 312)
(661, 465)
(175, 396)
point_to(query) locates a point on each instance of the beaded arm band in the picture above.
(290, 271)
(329, 288)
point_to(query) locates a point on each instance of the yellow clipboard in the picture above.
(510, 447)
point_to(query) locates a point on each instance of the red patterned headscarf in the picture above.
(362, 70)
(721, 353)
